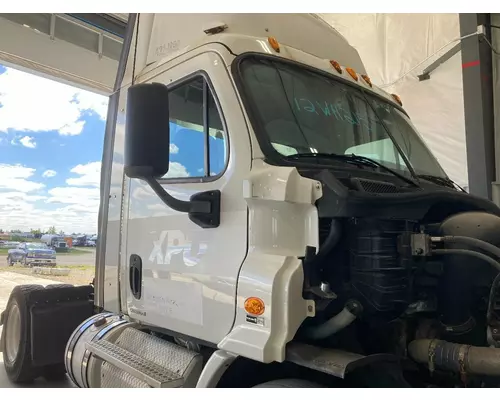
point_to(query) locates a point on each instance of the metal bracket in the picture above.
(425, 75)
(420, 244)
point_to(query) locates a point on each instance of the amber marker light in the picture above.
(254, 306)
(352, 73)
(367, 79)
(397, 99)
(337, 66)
(274, 44)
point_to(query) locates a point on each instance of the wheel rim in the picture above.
(13, 333)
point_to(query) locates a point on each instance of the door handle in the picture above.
(135, 275)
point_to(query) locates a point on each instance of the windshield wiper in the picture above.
(357, 160)
(439, 180)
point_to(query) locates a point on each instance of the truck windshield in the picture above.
(35, 246)
(299, 111)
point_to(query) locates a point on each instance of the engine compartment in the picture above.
(411, 272)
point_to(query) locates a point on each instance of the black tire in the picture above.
(10, 262)
(25, 263)
(289, 383)
(58, 286)
(20, 369)
(53, 373)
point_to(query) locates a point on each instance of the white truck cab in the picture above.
(264, 207)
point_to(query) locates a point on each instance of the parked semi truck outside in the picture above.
(269, 218)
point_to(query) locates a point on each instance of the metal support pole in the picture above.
(495, 40)
(478, 104)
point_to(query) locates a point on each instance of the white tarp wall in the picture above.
(392, 44)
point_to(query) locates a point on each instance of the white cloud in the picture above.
(83, 199)
(177, 170)
(173, 149)
(10, 199)
(50, 173)
(90, 175)
(15, 177)
(31, 103)
(70, 208)
(28, 141)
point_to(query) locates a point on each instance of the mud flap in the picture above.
(55, 313)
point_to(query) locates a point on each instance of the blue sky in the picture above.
(51, 138)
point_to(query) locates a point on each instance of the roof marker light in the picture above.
(397, 99)
(367, 79)
(336, 65)
(274, 44)
(352, 73)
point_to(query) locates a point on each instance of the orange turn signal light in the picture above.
(352, 73)
(336, 65)
(367, 79)
(274, 44)
(397, 99)
(254, 306)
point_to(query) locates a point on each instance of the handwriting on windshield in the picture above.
(337, 111)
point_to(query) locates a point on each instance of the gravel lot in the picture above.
(82, 268)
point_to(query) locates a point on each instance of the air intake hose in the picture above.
(461, 358)
(349, 313)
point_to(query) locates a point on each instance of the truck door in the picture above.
(177, 275)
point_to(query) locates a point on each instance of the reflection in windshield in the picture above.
(304, 112)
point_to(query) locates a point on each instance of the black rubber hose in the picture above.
(472, 253)
(488, 259)
(491, 298)
(488, 247)
(330, 242)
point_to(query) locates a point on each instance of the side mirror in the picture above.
(147, 152)
(147, 131)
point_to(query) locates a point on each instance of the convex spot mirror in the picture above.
(147, 133)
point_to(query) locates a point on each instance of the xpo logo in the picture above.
(174, 248)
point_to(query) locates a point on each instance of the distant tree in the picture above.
(1, 230)
(61, 233)
(15, 231)
(52, 230)
(37, 233)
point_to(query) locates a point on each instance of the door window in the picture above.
(198, 146)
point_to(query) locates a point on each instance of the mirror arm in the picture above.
(176, 204)
(203, 208)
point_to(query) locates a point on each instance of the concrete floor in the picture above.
(7, 282)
